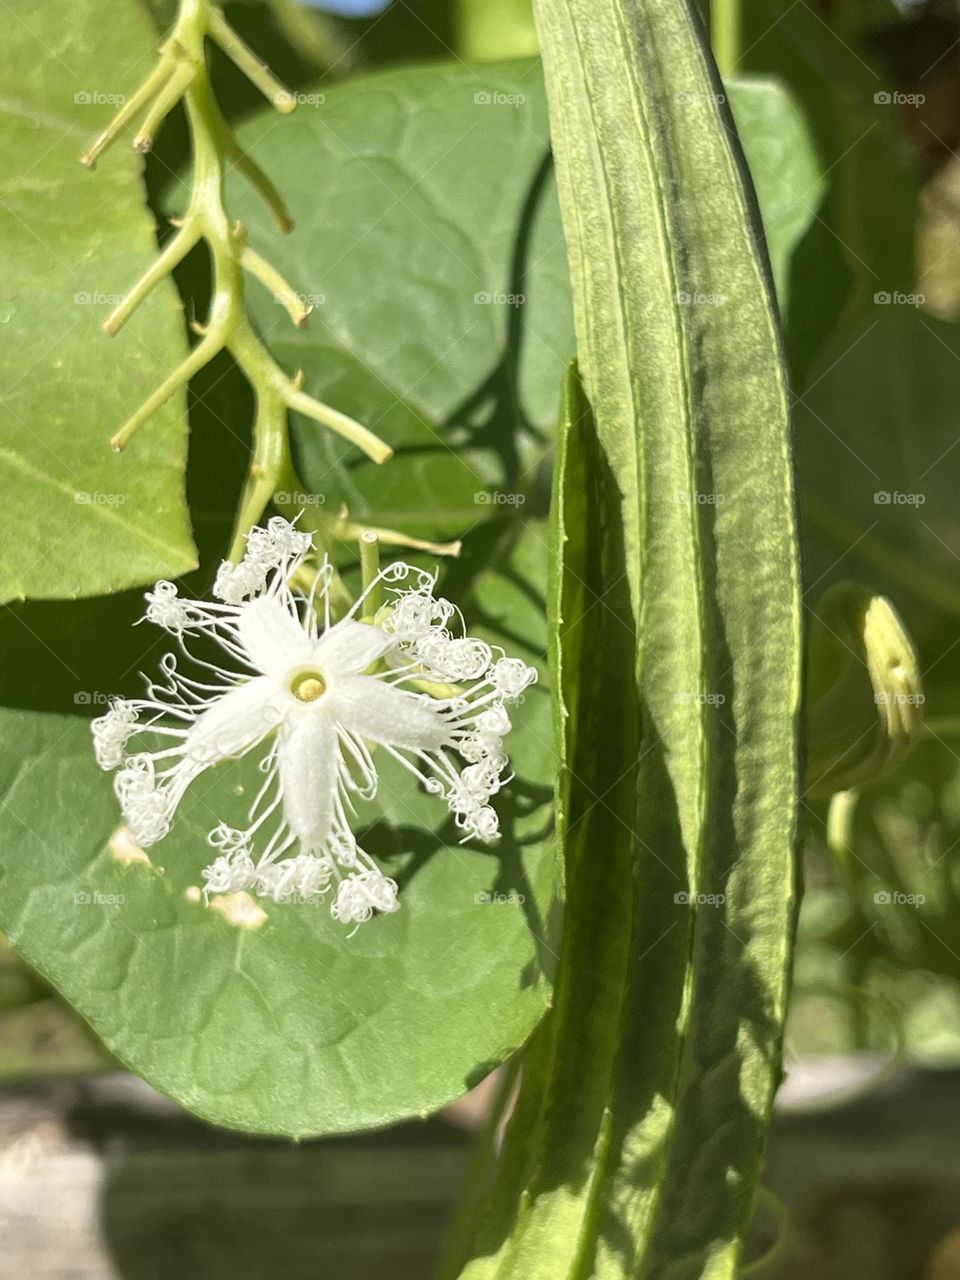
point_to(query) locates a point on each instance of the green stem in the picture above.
(174, 253)
(349, 530)
(345, 426)
(271, 279)
(271, 461)
(153, 83)
(259, 180)
(163, 104)
(725, 35)
(202, 354)
(840, 819)
(257, 72)
(369, 573)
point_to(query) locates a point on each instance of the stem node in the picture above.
(181, 72)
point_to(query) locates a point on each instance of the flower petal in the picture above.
(274, 640)
(308, 758)
(378, 712)
(349, 647)
(235, 722)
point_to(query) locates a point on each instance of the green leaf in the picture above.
(438, 273)
(77, 519)
(273, 1020)
(784, 166)
(636, 1146)
(877, 436)
(876, 407)
(411, 174)
(841, 69)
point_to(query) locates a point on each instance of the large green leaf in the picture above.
(275, 1021)
(76, 518)
(411, 183)
(636, 1147)
(786, 172)
(452, 985)
(876, 417)
(429, 238)
(428, 366)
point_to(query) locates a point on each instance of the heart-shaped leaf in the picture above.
(428, 240)
(267, 1017)
(77, 519)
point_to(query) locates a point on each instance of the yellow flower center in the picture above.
(307, 686)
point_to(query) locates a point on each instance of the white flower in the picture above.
(316, 700)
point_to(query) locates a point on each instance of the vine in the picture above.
(182, 74)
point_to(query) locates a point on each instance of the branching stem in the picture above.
(182, 74)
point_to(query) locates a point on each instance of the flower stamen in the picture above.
(308, 686)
